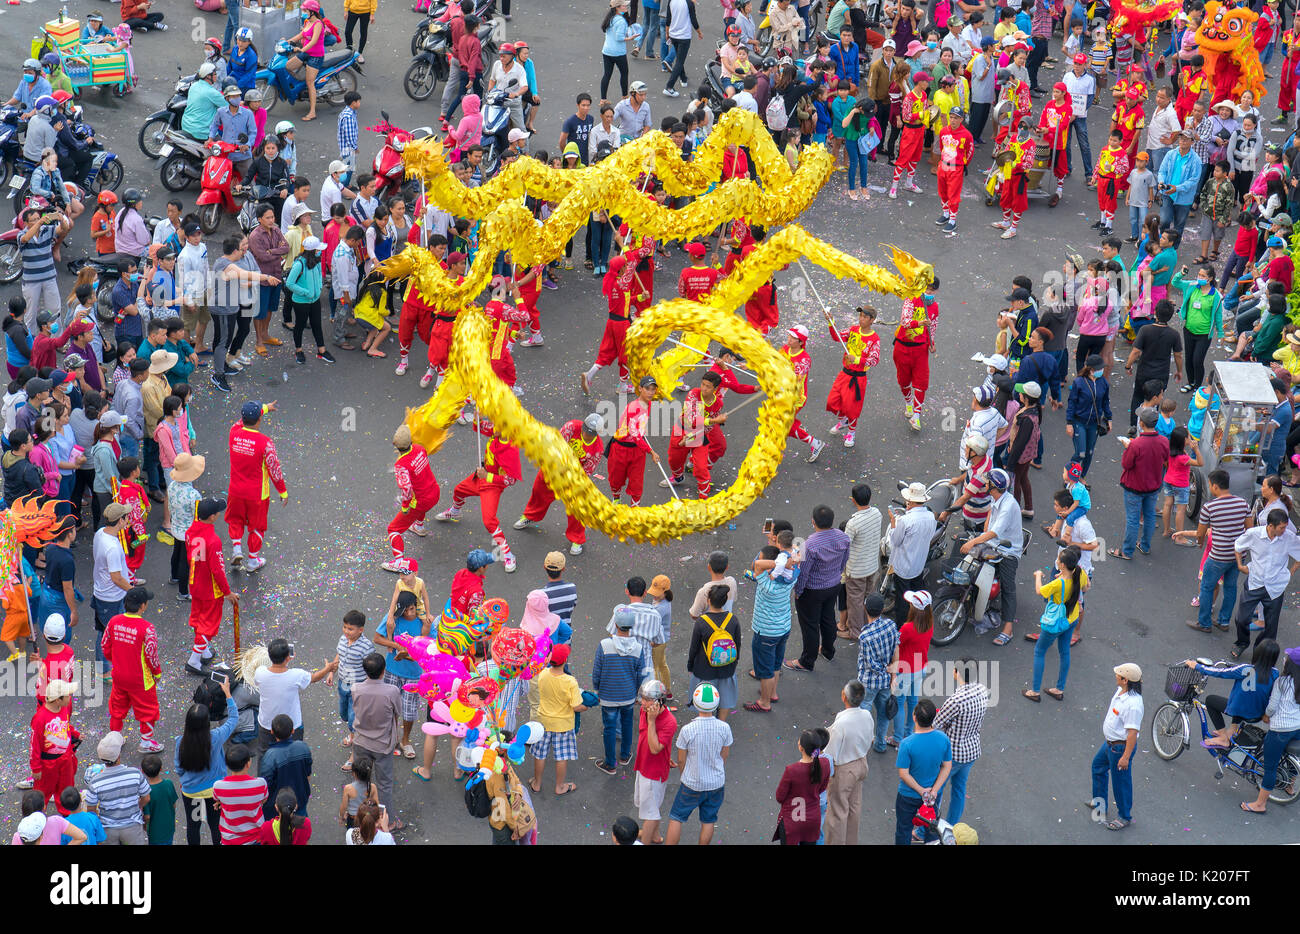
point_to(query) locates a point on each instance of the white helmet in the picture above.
(206, 69)
(244, 33)
(283, 127)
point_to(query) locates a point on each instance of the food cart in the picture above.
(1230, 436)
(105, 63)
(270, 22)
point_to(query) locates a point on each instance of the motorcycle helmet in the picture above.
(252, 96)
(206, 69)
(214, 43)
(283, 127)
(62, 96)
(654, 690)
(244, 33)
(47, 105)
(132, 196)
(50, 60)
(311, 6)
(75, 112)
(107, 197)
(31, 65)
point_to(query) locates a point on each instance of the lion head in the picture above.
(1224, 28)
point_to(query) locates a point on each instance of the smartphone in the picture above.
(291, 650)
(767, 525)
(220, 677)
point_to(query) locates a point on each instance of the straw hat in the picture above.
(188, 467)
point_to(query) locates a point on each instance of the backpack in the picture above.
(777, 118)
(719, 648)
(477, 801)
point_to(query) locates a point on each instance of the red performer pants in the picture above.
(627, 465)
(135, 558)
(847, 393)
(717, 444)
(205, 619)
(250, 513)
(1107, 196)
(910, 145)
(540, 502)
(403, 521)
(798, 432)
(912, 363)
(504, 367)
(950, 189)
(762, 316)
(679, 453)
(1015, 199)
(489, 497)
(1060, 165)
(416, 318)
(144, 703)
(440, 342)
(57, 774)
(612, 346)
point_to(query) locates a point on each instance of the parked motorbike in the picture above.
(388, 168)
(941, 494)
(152, 132)
(430, 64)
(220, 184)
(484, 10)
(496, 127)
(969, 586)
(182, 160)
(333, 81)
(13, 131)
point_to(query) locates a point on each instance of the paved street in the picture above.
(333, 429)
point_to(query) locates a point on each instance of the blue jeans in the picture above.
(104, 611)
(875, 702)
(1045, 640)
(1139, 510)
(51, 602)
(1137, 216)
(1105, 764)
(1085, 441)
(345, 706)
(909, 692)
(1274, 743)
(1213, 570)
(153, 477)
(857, 164)
(905, 808)
(130, 445)
(1174, 215)
(1157, 156)
(653, 30)
(232, 24)
(1054, 383)
(666, 50)
(1080, 131)
(618, 720)
(957, 781)
(601, 238)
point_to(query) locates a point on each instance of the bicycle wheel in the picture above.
(1288, 777)
(1170, 731)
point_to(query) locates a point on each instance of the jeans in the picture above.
(1080, 131)
(908, 693)
(957, 781)
(857, 164)
(619, 722)
(1137, 216)
(104, 611)
(232, 24)
(1105, 764)
(1045, 640)
(1006, 576)
(1054, 386)
(601, 239)
(1139, 510)
(680, 48)
(1157, 156)
(464, 86)
(345, 706)
(905, 808)
(653, 30)
(667, 53)
(1174, 215)
(1275, 741)
(153, 474)
(875, 702)
(130, 445)
(1211, 573)
(1085, 442)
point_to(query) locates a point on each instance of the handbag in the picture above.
(891, 706)
(1103, 427)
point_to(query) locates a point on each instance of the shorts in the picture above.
(563, 745)
(313, 61)
(192, 316)
(768, 653)
(1181, 494)
(410, 700)
(728, 690)
(688, 799)
(1212, 231)
(648, 796)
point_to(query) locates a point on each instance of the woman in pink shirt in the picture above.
(40, 456)
(312, 39)
(913, 654)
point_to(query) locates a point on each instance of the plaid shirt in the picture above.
(960, 717)
(347, 131)
(1202, 144)
(876, 647)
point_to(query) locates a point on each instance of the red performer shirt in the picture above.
(207, 561)
(587, 453)
(918, 322)
(1128, 120)
(57, 665)
(508, 318)
(861, 350)
(131, 647)
(621, 284)
(1112, 162)
(254, 466)
(1055, 123)
(696, 416)
(501, 461)
(695, 282)
(729, 379)
(52, 734)
(632, 426)
(914, 106)
(131, 495)
(415, 479)
(956, 146)
(528, 291)
(801, 363)
(466, 591)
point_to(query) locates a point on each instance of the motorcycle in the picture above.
(484, 10)
(105, 172)
(430, 65)
(182, 160)
(970, 586)
(13, 131)
(764, 36)
(941, 495)
(220, 185)
(496, 127)
(152, 132)
(333, 81)
(388, 168)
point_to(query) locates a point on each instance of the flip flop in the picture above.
(416, 771)
(755, 707)
(1116, 553)
(568, 788)
(1245, 806)
(537, 790)
(1002, 638)
(794, 666)
(375, 353)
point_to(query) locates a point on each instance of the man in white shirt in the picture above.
(1161, 128)
(744, 98)
(862, 570)
(909, 540)
(301, 190)
(332, 190)
(852, 733)
(1274, 553)
(192, 276)
(1114, 760)
(279, 685)
(961, 50)
(973, 36)
(1003, 525)
(111, 578)
(509, 75)
(1081, 86)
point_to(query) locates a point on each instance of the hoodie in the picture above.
(620, 665)
(21, 477)
(469, 131)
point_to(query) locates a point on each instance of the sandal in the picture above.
(1030, 695)
(794, 665)
(346, 766)
(1002, 638)
(1200, 260)
(422, 778)
(1246, 806)
(1117, 823)
(756, 707)
(347, 741)
(568, 787)
(408, 750)
(1054, 694)
(1075, 641)
(1116, 553)
(375, 353)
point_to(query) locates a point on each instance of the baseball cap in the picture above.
(1074, 470)
(1144, 156)
(593, 422)
(478, 558)
(44, 318)
(555, 561)
(110, 747)
(998, 362)
(889, 44)
(648, 382)
(73, 361)
(192, 228)
(207, 508)
(706, 698)
(36, 385)
(454, 258)
(61, 377)
(31, 827)
(1081, 59)
(516, 135)
(313, 244)
(660, 584)
(696, 248)
(1030, 389)
(559, 654)
(923, 76)
(251, 409)
(112, 419)
(623, 618)
(55, 628)
(1148, 417)
(59, 688)
(800, 332)
(1018, 295)
(988, 42)
(338, 165)
(1129, 671)
(1276, 242)
(917, 598)
(874, 604)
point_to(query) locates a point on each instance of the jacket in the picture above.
(286, 764)
(153, 392)
(1219, 200)
(21, 477)
(1144, 463)
(192, 783)
(620, 665)
(1088, 403)
(360, 6)
(304, 282)
(129, 401)
(878, 80)
(1250, 695)
(254, 465)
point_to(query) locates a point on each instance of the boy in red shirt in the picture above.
(654, 745)
(1111, 174)
(52, 753)
(528, 287)
(131, 495)
(913, 344)
(801, 362)
(419, 493)
(130, 646)
(629, 447)
(254, 469)
(500, 469)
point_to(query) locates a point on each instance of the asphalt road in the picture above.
(333, 432)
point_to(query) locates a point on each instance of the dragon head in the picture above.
(1132, 17)
(1225, 28)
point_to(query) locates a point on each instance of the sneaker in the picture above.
(1001, 225)
(396, 565)
(244, 359)
(893, 191)
(626, 388)
(233, 368)
(219, 382)
(508, 562)
(848, 439)
(183, 597)
(325, 355)
(626, 760)
(838, 425)
(451, 514)
(1008, 233)
(254, 563)
(149, 745)
(669, 92)
(550, 284)
(300, 356)
(417, 528)
(950, 227)
(908, 410)
(915, 422)
(401, 366)
(605, 766)
(535, 340)
(567, 265)
(912, 186)
(575, 549)
(236, 556)
(940, 221)
(25, 784)
(427, 378)
(816, 452)
(522, 523)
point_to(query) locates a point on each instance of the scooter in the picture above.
(496, 127)
(970, 586)
(152, 132)
(13, 131)
(182, 160)
(333, 81)
(220, 182)
(430, 64)
(388, 168)
(484, 10)
(941, 494)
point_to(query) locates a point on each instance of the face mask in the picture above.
(932, 45)
(30, 79)
(1203, 283)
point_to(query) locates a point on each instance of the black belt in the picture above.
(899, 340)
(913, 126)
(614, 317)
(55, 755)
(1112, 743)
(626, 444)
(445, 317)
(857, 387)
(854, 372)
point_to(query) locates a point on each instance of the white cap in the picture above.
(338, 165)
(31, 827)
(516, 135)
(313, 244)
(918, 598)
(593, 422)
(300, 209)
(55, 628)
(889, 44)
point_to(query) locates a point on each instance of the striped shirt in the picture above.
(350, 656)
(38, 256)
(863, 530)
(647, 624)
(241, 798)
(772, 603)
(1226, 516)
(116, 792)
(703, 740)
(561, 598)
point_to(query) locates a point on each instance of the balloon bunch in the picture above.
(457, 632)
(441, 672)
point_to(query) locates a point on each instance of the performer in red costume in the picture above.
(697, 280)
(794, 352)
(254, 469)
(620, 287)
(130, 494)
(528, 288)
(629, 447)
(1290, 47)
(52, 754)
(208, 584)
(910, 144)
(583, 438)
(1054, 130)
(956, 147)
(1129, 118)
(913, 344)
(1014, 196)
(508, 317)
(419, 493)
(861, 346)
(725, 365)
(444, 320)
(417, 314)
(500, 468)
(697, 435)
(130, 645)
